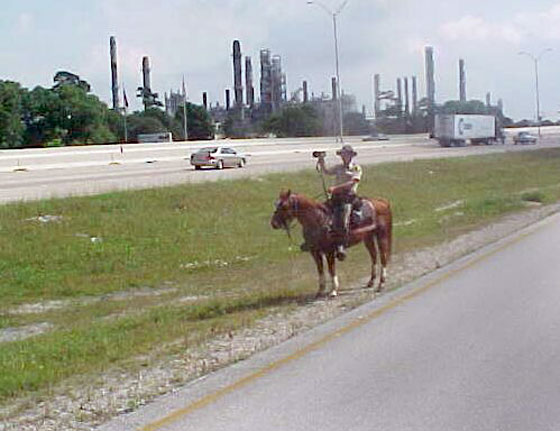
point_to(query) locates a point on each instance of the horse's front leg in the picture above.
(331, 260)
(318, 257)
(370, 245)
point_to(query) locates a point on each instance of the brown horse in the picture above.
(315, 218)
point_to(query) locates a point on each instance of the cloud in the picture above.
(24, 22)
(194, 37)
(520, 28)
(540, 25)
(473, 28)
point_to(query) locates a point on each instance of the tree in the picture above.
(42, 118)
(356, 124)
(66, 114)
(294, 121)
(141, 123)
(68, 78)
(199, 123)
(82, 116)
(470, 107)
(11, 115)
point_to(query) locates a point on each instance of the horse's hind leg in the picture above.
(332, 272)
(370, 245)
(318, 257)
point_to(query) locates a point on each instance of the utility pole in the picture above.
(536, 60)
(186, 131)
(334, 15)
(125, 110)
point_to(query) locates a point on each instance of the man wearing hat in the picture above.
(343, 194)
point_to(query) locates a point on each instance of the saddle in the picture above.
(361, 214)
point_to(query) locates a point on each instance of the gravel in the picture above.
(84, 407)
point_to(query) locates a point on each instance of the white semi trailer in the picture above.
(458, 129)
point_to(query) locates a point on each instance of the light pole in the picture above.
(334, 15)
(536, 60)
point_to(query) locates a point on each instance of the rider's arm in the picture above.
(344, 186)
(347, 186)
(322, 167)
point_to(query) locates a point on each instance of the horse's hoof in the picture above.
(369, 285)
(333, 294)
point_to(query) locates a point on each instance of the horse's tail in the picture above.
(389, 231)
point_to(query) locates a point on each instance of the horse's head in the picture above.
(285, 211)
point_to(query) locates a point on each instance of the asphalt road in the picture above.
(475, 346)
(58, 172)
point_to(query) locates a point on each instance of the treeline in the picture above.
(67, 114)
(306, 120)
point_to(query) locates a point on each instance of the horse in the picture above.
(315, 219)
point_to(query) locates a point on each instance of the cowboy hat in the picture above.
(346, 149)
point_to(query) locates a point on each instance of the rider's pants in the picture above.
(341, 220)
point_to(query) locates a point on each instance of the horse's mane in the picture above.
(308, 202)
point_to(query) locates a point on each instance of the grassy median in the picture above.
(133, 272)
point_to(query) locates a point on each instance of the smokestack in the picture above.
(305, 92)
(114, 72)
(228, 100)
(249, 82)
(462, 81)
(238, 86)
(414, 94)
(205, 100)
(376, 95)
(399, 94)
(266, 81)
(430, 82)
(430, 87)
(334, 88)
(146, 73)
(488, 99)
(406, 97)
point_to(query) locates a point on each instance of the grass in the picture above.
(212, 243)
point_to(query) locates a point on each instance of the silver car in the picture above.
(218, 157)
(524, 138)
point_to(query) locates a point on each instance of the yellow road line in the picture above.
(211, 398)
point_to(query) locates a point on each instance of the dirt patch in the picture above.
(46, 306)
(23, 332)
(85, 407)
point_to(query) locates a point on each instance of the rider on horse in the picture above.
(343, 194)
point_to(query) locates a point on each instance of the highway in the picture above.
(470, 347)
(31, 174)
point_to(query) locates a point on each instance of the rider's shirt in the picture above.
(345, 174)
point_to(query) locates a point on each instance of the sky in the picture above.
(194, 38)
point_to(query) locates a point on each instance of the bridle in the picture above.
(294, 208)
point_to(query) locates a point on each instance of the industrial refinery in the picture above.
(398, 109)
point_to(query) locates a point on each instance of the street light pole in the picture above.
(334, 15)
(536, 60)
